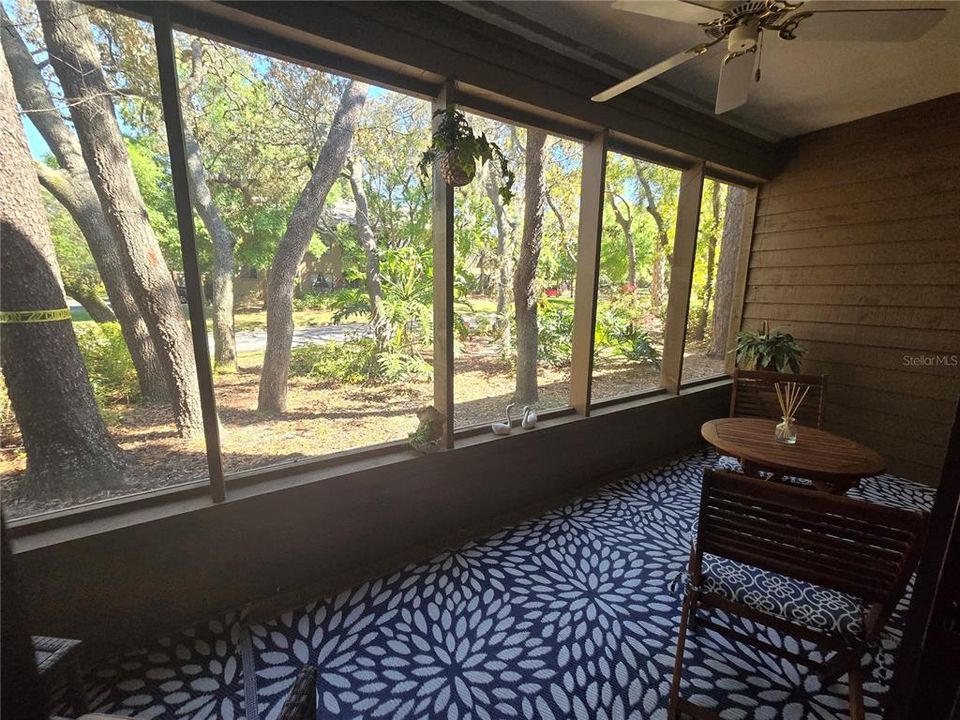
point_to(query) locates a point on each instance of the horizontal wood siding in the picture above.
(856, 251)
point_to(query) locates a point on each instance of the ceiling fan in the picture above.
(742, 24)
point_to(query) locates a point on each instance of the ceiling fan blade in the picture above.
(685, 12)
(651, 72)
(736, 78)
(880, 25)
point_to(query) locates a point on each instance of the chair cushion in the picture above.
(732, 464)
(790, 599)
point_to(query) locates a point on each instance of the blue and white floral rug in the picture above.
(568, 615)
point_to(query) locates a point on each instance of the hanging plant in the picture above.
(456, 150)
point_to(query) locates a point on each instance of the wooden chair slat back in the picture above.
(753, 395)
(857, 547)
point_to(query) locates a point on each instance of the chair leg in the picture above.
(855, 683)
(689, 606)
(77, 692)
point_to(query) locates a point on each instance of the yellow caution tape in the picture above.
(34, 316)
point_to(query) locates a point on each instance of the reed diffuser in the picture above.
(790, 396)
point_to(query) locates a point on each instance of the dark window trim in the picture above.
(705, 380)
(629, 397)
(480, 428)
(76, 521)
(105, 515)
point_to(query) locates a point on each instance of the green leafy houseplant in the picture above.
(456, 149)
(765, 350)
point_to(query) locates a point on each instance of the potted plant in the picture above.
(765, 350)
(456, 150)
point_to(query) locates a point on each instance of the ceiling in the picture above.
(805, 85)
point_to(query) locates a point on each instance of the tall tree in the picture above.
(368, 241)
(76, 60)
(300, 228)
(661, 254)
(733, 217)
(525, 276)
(72, 187)
(69, 450)
(223, 240)
(710, 236)
(624, 219)
(504, 254)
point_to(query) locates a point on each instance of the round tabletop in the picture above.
(817, 454)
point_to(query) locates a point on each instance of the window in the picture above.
(722, 214)
(313, 235)
(103, 402)
(639, 221)
(309, 180)
(514, 266)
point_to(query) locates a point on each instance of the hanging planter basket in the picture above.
(455, 151)
(451, 171)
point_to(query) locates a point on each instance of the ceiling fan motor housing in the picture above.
(743, 38)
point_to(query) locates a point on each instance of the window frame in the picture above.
(739, 279)
(598, 141)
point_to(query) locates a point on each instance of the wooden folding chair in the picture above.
(823, 568)
(753, 396)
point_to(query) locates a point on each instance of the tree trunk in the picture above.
(658, 274)
(525, 277)
(69, 451)
(96, 308)
(626, 224)
(293, 244)
(72, 188)
(378, 316)
(703, 312)
(223, 240)
(733, 217)
(77, 63)
(503, 262)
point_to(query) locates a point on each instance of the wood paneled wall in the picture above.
(856, 251)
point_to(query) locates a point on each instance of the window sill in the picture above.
(76, 523)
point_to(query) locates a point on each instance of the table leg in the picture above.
(750, 468)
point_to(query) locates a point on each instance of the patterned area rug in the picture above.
(568, 615)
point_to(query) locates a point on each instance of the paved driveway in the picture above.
(256, 340)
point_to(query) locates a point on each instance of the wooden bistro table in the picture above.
(832, 463)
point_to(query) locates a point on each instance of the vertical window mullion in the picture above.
(681, 276)
(592, 183)
(443, 283)
(170, 99)
(740, 279)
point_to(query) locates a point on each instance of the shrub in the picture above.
(397, 366)
(555, 334)
(634, 343)
(311, 301)
(353, 361)
(111, 371)
(356, 362)
(6, 409)
(348, 302)
(627, 339)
